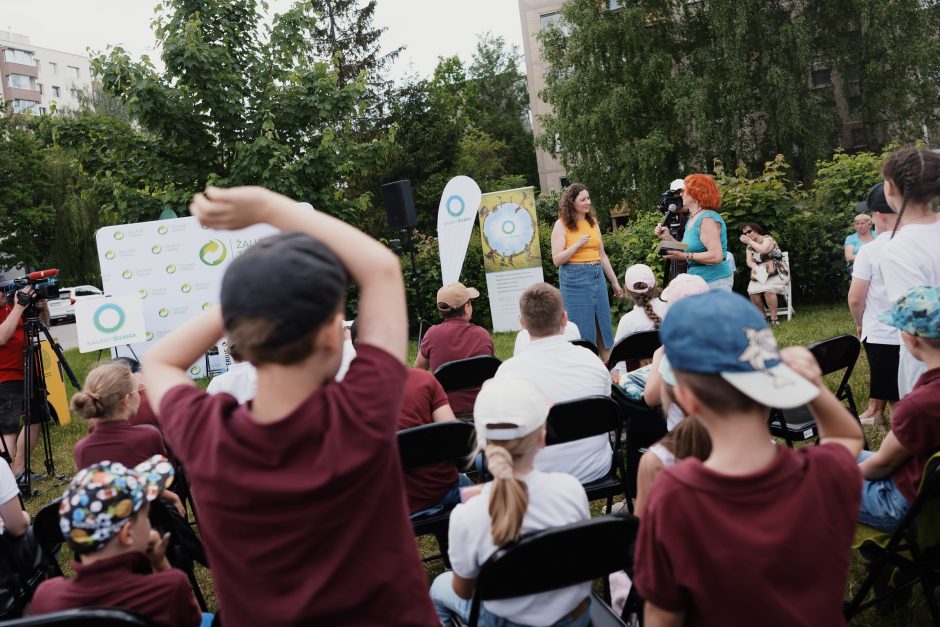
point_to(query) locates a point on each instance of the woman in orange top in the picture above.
(578, 251)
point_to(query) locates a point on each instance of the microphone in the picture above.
(669, 215)
(41, 274)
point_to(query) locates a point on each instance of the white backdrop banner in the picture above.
(174, 267)
(109, 321)
(455, 217)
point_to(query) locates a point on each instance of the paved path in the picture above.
(66, 335)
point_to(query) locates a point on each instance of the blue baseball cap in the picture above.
(723, 333)
(917, 312)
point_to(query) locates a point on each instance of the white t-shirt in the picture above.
(636, 319)
(349, 353)
(867, 268)
(8, 488)
(909, 259)
(555, 500)
(241, 381)
(523, 339)
(565, 372)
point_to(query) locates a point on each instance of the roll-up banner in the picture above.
(511, 254)
(455, 217)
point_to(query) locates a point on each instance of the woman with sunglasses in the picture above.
(769, 272)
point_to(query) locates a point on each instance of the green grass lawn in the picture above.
(810, 324)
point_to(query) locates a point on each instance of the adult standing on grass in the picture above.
(868, 298)
(578, 252)
(864, 234)
(912, 255)
(705, 233)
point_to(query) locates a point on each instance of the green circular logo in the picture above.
(109, 255)
(148, 335)
(143, 293)
(108, 318)
(455, 205)
(164, 312)
(162, 229)
(195, 370)
(508, 227)
(206, 306)
(127, 274)
(212, 252)
(156, 249)
(119, 235)
(170, 269)
(186, 288)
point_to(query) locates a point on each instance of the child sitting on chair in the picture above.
(892, 474)
(510, 416)
(121, 561)
(648, 309)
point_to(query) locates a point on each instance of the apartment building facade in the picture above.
(41, 80)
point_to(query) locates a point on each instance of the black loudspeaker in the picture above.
(399, 205)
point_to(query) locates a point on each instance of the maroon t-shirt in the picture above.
(425, 486)
(304, 519)
(915, 422)
(144, 415)
(453, 339)
(118, 441)
(11, 353)
(771, 548)
(125, 581)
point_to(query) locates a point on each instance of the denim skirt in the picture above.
(584, 290)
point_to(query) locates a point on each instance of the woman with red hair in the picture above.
(705, 233)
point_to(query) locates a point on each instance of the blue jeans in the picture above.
(450, 499)
(584, 291)
(447, 604)
(883, 505)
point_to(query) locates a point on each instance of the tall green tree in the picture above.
(242, 103)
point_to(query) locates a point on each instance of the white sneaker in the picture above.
(873, 421)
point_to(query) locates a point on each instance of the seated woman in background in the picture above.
(864, 233)
(769, 273)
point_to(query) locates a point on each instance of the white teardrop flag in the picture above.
(455, 218)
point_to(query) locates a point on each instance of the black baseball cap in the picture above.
(290, 279)
(875, 201)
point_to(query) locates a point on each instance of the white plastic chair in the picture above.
(787, 310)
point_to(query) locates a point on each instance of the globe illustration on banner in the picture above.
(508, 229)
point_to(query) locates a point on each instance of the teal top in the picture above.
(856, 242)
(693, 237)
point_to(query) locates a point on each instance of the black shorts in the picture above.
(11, 407)
(883, 368)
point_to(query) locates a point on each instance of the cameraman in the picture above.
(11, 379)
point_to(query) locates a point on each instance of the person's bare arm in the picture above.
(15, 520)
(858, 292)
(609, 270)
(383, 317)
(885, 460)
(650, 465)
(8, 326)
(711, 237)
(421, 362)
(849, 253)
(652, 390)
(560, 254)
(657, 617)
(833, 421)
(463, 587)
(443, 414)
(763, 247)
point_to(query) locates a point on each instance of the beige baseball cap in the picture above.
(455, 296)
(509, 408)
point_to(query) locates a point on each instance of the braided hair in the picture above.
(645, 300)
(915, 173)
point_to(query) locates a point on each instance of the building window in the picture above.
(25, 106)
(821, 78)
(549, 19)
(76, 94)
(55, 91)
(563, 182)
(39, 87)
(20, 81)
(38, 63)
(72, 71)
(12, 55)
(858, 137)
(53, 67)
(42, 111)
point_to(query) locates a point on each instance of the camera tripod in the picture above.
(35, 394)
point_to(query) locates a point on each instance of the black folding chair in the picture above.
(584, 418)
(556, 558)
(586, 344)
(49, 535)
(914, 547)
(185, 548)
(466, 374)
(22, 567)
(450, 442)
(84, 617)
(835, 354)
(634, 348)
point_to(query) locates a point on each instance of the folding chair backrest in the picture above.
(558, 557)
(582, 418)
(837, 353)
(440, 442)
(84, 617)
(634, 347)
(466, 374)
(586, 344)
(48, 532)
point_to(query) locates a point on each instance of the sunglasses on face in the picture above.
(748, 232)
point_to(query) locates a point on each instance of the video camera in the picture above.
(670, 202)
(44, 285)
